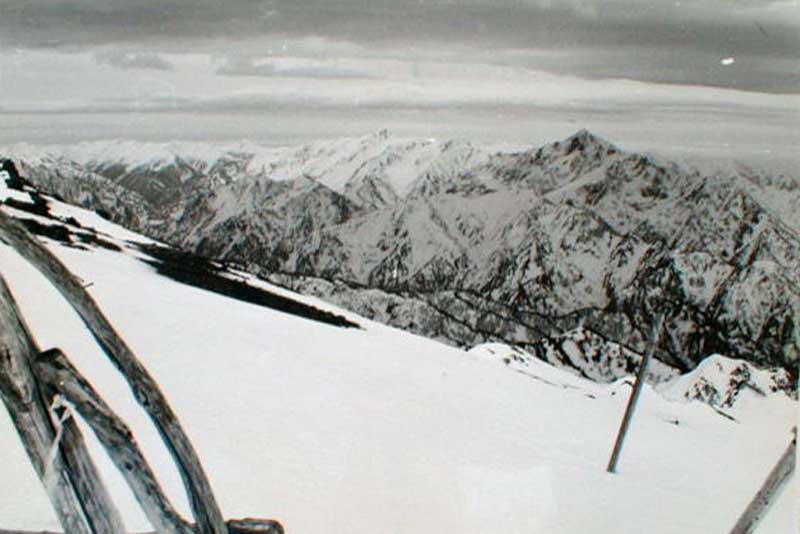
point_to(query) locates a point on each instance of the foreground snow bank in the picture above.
(373, 430)
(718, 381)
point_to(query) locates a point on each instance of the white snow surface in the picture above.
(374, 430)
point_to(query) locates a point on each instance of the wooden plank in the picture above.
(146, 391)
(769, 491)
(634, 398)
(55, 371)
(69, 477)
(235, 526)
(100, 511)
(254, 526)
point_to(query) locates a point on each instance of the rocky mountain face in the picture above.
(468, 245)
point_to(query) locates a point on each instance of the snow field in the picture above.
(375, 430)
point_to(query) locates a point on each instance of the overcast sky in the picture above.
(731, 57)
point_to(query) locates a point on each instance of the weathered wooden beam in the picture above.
(59, 376)
(61, 459)
(100, 511)
(254, 526)
(634, 398)
(145, 389)
(769, 491)
(235, 526)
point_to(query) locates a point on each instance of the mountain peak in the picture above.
(382, 135)
(581, 147)
(585, 141)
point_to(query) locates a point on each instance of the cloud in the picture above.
(654, 40)
(679, 65)
(257, 85)
(134, 60)
(249, 66)
(441, 88)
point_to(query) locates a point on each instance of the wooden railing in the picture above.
(34, 386)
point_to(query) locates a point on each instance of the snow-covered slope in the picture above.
(371, 429)
(718, 381)
(582, 352)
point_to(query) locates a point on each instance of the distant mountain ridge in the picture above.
(468, 245)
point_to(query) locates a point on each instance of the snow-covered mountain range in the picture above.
(467, 245)
(330, 422)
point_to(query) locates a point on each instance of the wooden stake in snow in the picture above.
(145, 389)
(33, 386)
(637, 390)
(60, 377)
(59, 454)
(758, 507)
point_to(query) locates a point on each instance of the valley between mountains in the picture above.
(466, 244)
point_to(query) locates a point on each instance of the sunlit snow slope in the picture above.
(372, 430)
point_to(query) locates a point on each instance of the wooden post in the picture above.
(101, 513)
(55, 371)
(146, 391)
(61, 460)
(254, 526)
(235, 526)
(634, 398)
(766, 495)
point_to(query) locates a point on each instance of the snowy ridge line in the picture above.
(576, 231)
(201, 272)
(376, 430)
(180, 266)
(719, 381)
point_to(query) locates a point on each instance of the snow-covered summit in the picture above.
(723, 382)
